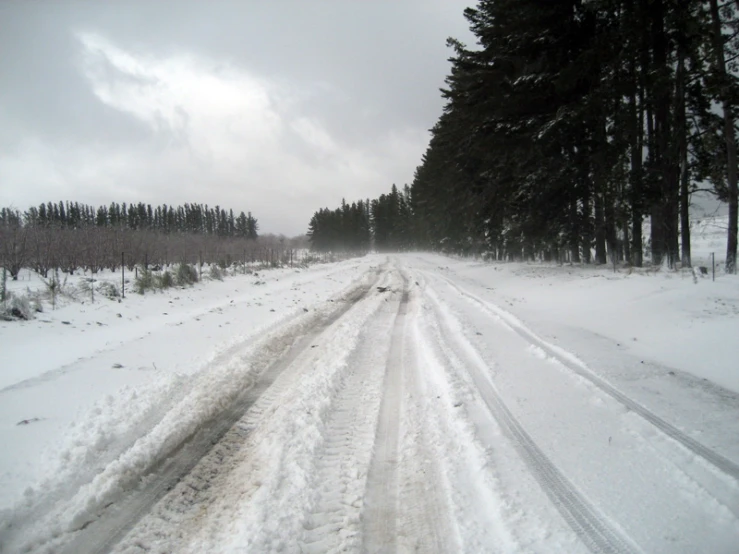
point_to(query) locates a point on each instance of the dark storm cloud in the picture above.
(246, 104)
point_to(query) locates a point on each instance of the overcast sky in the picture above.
(278, 107)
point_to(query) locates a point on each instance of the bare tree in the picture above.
(14, 248)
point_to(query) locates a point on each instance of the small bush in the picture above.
(20, 306)
(145, 281)
(56, 287)
(310, 259)
(165, 280)
(86, 286)
(109, 290)
(216, 273)
(186, 275)
(37, 306)
(16, 307)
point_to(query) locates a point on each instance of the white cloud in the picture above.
(214, 108)
(217, 135)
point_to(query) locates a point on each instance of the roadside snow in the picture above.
(664, 317)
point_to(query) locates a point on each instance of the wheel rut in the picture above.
(218, 436)
(333, 523)
(381, 504)
(725, 465)
(592, 527)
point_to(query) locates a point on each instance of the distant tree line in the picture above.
(70, 236)
(567, 127)
(384, 224)
(189, 218)
(345, 229)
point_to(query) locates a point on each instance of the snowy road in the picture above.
(412, 413)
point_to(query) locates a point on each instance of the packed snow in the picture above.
(407, 402)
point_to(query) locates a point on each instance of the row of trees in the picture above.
(384, 223)
(71, 236)
(345, 229)
(572, 122)
(91, 250)
(189, 218)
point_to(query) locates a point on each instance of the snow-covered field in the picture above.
(410, 403)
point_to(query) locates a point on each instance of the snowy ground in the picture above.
(410, 403)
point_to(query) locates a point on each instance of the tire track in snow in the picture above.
(427, 518)
(567, 359)
(333, 524)
(350, 507)
(70, 367)
(115, 520)
(380, 513)
(595, 530)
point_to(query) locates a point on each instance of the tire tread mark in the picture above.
(591, 527)
(169, 471)
(722, 463)
(380, 512)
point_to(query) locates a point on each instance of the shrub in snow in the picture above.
(311, 259)
(86, 287)
(4, 284)
(37, 306)
(165, 280)
(55, 287)
(16, 307)
(215, 273)
(109, 290)
(144, 281)
(186, 275)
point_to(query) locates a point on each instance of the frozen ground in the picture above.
(410, 403)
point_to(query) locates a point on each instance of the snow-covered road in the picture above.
(409, 411)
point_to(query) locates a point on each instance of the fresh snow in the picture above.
(410, 403)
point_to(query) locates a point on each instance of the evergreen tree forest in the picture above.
(70, 235)
(570, 125)
(190, 218)
(345, 229)
(383, 224)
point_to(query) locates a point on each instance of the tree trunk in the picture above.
(662, 154)
(587, 234)
(574, 233)
(681, 130)
(731, 157)
(685, 211)
(636, 173)
(600, 226)
(598, 161)
(610, 227)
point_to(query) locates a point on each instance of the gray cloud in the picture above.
(275, 107)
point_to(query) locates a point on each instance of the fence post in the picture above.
(713, 266)
(123, 275)
(200, 270)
